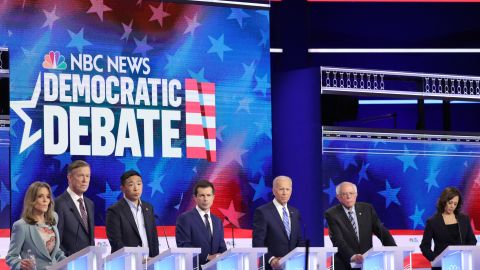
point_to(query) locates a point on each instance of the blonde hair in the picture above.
(29, 202)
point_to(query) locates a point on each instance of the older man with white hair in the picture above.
(276, 225)
(351, 225)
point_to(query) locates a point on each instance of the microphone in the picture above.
(76, 233)
(307, 241)
(459, 230)
(164, 232)
(233, 231)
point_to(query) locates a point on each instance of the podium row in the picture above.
(133, 258)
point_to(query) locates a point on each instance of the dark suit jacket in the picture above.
(437, 230)
(191, 231)
(343, 236)
(73, 234)
(122, 230)
(269, 231)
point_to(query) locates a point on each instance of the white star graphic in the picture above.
(192, 24)
(51, 17)
(99, 8)
(244, 105)
(18, 106)
(158, 14)
(219, 133)
(127, 31)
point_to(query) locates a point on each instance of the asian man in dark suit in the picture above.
(75, 211)
(131, 221)
(199, 228)
(276, 225)
(351, 226)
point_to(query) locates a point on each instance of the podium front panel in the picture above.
(166, 263)
(298, 262)
(374, 262)
(457, 260)
(80, 263)
(230, 263)
(117, 263)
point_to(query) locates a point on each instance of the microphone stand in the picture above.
(164, 232)
(233, 234)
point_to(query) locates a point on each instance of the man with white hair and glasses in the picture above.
(351, 226)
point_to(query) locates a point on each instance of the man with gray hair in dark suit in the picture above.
(351, 226)
(75, 211)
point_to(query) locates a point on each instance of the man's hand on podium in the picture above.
(211, 257)
(357, 258)
(275, 263)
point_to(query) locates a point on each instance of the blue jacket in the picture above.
(192, 232)
(269, 231)
(25, 237)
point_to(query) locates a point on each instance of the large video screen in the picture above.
(179, 92)
(403, 173)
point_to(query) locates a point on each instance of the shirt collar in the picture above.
(278, 205)
(349, 210)
(132, 204)
(74, 195)
(201, 212)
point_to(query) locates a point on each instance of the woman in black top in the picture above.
(447, 227)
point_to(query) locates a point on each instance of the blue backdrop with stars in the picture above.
(226, 45)
(402, 179)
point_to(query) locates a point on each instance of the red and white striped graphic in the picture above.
(200, 118)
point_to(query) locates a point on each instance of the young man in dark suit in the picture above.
(199, 228)
(75, 211)
(276, 225)
(131, 221)
(351, 226)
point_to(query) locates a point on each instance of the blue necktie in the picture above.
(286, 222)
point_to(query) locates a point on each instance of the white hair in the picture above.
(337, 189)
(281, 177)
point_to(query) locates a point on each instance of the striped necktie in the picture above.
(286, 222)
(83, 213)
(354, 224)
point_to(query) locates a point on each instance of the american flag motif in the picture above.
(200, 117)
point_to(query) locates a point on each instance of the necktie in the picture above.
(83, 213)
(286, 222)
(207, 224)
(354, 224)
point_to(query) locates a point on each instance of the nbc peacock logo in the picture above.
(54, 60)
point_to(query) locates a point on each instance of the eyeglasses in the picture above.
(348, 194)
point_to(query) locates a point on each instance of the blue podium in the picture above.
(459, 258)
(89, 258)
(174, 259)
(317, 258)
(127, 258)
(236, 259)
(385, 258)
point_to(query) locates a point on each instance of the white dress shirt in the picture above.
(139, 220)
(202, 215)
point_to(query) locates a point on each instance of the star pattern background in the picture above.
(219, 44)
(403, 180)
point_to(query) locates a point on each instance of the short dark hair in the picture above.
(77, 164)
(202, 184)
(127, 175)
(448, 194)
